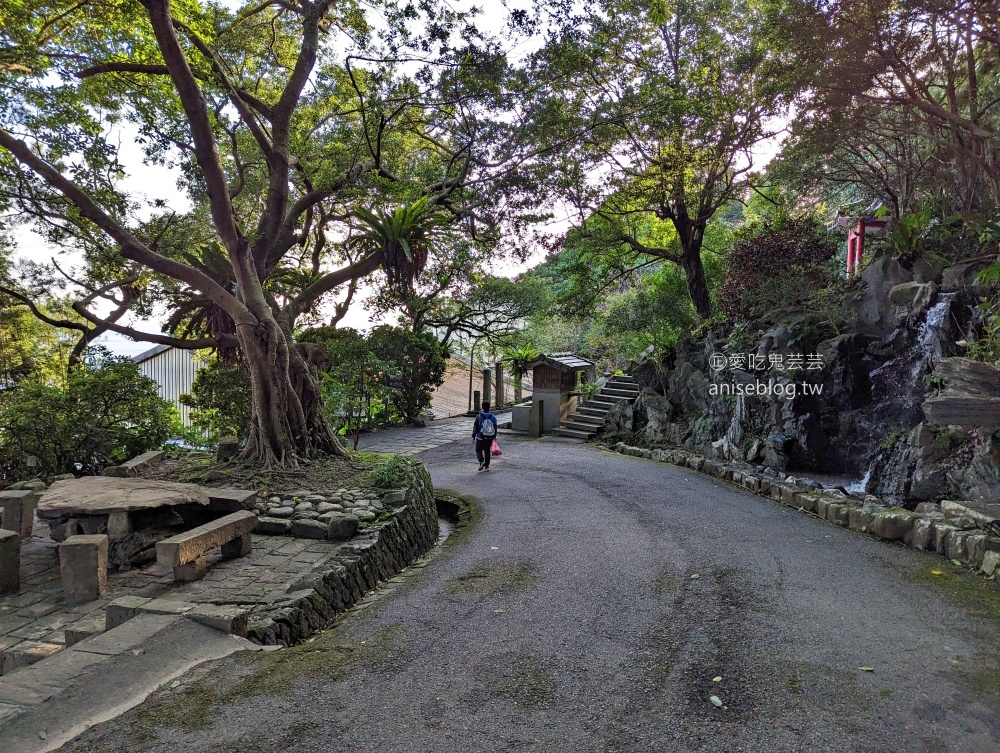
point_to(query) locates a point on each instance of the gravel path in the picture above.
(590, 610)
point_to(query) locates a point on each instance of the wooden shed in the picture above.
(556, 379)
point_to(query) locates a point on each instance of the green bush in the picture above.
(106, 413)
(390, 472)
(773, 267)
(221, 401)
(416, 364)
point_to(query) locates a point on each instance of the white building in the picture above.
(173, 369)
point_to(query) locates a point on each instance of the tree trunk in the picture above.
(691, 235)
(288, 420)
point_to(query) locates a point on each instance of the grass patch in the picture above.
(984, 681)
(389, 471)
(794, 683)
(492, 578)
(665, 584)
(194, 706)
(530, 687)
(963, 588)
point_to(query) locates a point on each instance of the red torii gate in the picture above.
(857, 229)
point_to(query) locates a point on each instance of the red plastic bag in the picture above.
(495, 449)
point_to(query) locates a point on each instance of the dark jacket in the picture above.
(479, 423)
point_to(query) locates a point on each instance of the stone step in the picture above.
(582, 418)
(618, 394)
(623, 387)
(625, 382)
(590, 429)
(622, 378)
(571, 433)
(595, 412)
(597, 403)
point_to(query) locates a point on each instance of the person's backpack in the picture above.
(487, 428)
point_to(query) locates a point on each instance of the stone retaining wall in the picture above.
(948, 528)
(376, 555)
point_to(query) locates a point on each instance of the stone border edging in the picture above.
(382, 551)
(926, 530)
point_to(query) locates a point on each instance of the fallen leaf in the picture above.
(867, 669)
(716, 679)
(175, 683)
(716, 701)
(497, 611)
(956, 563)
(495, 548)
(810, 541)
(42, 735)
(936, 572)
(695, 576)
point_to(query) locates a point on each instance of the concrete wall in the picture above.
(558, 406)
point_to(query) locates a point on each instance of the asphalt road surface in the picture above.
(592, 609)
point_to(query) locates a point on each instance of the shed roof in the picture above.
(563, 362)
(147, 354)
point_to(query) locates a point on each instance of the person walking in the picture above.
(484, 431)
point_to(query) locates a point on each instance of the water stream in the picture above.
(898, 389)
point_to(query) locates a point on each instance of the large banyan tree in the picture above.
(286, 124)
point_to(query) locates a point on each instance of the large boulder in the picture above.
(971, 394)
(657, 414)
(875, 314)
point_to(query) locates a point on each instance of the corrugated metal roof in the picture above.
(564, 362)
(147, 354)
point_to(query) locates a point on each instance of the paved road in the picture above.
(410, 440)
(571, 620)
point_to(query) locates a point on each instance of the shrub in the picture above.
(389, 472)
(221, 401)
(106, 413)
(776, 266)
(416, 361)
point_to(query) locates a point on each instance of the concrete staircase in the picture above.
(592, 414)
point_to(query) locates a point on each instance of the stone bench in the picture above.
(10, 562)
(185, 552)
(83, 565)
(134, 466)
(18, 511)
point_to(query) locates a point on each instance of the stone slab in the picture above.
(186, 547)
(135, 465)
(228, 619)
(46, 677)
(24, 654)
(17, 508)
(10, 562)
(83, 564)
(231, 500)
(101, 495)
(122, 610)
(127, 636)
(110, 688)
(88, 627)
